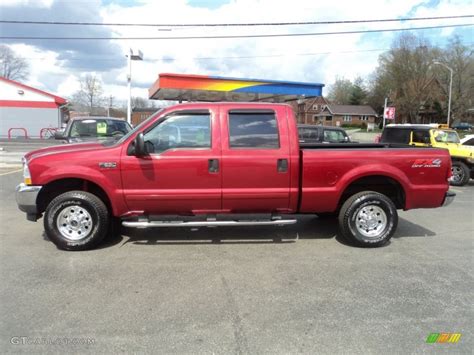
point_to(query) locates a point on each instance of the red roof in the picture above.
(57, 99)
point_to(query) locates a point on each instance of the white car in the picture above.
(468, 140)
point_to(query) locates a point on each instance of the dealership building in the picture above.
(28, 112)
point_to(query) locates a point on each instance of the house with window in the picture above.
(306, 110)
(346, 115)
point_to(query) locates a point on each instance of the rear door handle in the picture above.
(213, 165)
(282, 165)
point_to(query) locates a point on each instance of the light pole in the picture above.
(132, 55)
(450, 87)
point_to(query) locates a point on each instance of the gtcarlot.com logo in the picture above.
(24, 340)
(443, 338)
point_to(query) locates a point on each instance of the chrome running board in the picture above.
(208, 223)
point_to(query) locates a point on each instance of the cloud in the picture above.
(81, 55)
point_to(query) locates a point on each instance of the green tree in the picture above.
(358, 94)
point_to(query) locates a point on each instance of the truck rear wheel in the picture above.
(368, 219)
(76, 220)
(460, 172)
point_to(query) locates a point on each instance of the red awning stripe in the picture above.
(27, 104)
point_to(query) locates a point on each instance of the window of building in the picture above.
(180, 131)
(347, 118)
(256, 129)
(328, 118)
(315, 107)
(364, 118)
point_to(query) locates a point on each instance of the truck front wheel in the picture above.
(460, 174)
(368, 219)
(76, 220)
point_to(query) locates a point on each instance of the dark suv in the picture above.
(322, 134)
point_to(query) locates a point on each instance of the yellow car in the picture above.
(436, 136)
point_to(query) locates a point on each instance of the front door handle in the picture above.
(282, 165)
(213, 165)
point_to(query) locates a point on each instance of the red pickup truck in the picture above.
(216, 160)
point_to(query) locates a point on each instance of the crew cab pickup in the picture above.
(218, 161)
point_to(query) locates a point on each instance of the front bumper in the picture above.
(26, 199)
(448, 198)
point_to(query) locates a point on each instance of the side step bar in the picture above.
(208, 223)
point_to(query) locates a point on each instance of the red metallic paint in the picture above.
(178, 181)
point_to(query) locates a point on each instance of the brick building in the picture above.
(141, 114)
(353, 115)
(306, 110)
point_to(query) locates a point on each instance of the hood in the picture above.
(65, 148)
(94, 139)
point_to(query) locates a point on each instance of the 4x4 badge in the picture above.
(427, 163)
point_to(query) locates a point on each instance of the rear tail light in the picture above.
(449, 172)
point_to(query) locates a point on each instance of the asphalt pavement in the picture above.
(241, 290)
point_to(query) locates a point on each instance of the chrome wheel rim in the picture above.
(457, 173)
(74, 223)
(371, 221)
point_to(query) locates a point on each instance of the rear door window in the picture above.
(255, 129)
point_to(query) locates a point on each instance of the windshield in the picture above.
(98, 128)
(141, 124)
(446, 136)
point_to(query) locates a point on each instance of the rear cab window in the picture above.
(257, 129)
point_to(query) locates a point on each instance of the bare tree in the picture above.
(340, 92)
(90, 95)
(461, 59)
(406, 72)
(12, 66)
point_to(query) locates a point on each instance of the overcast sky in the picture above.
(56, 65)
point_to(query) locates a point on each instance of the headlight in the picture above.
(26, 172)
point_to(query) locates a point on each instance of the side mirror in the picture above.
(140, 148)
(346, 139)
(59, 135)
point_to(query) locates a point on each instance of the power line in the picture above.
(300, 23)
(235, 36)
(169, 59)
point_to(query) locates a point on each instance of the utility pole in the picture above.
(450, 87)
(384, 111)
(132, 55)
(110, 105)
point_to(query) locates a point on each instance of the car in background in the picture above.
(322, 134)
(462, 126)
(436, 136)
(87, 129)
(468, 140)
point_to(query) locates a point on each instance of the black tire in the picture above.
(461, 174)
(82, 213)
(373, 211)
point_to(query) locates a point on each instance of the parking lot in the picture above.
(242, 290)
